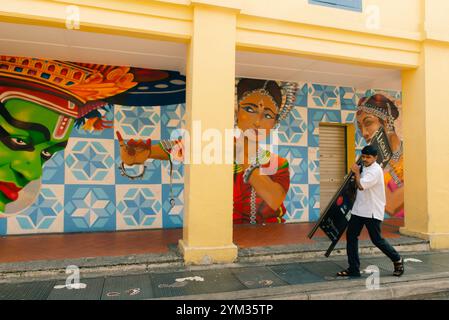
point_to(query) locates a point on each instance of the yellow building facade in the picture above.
(408, 35)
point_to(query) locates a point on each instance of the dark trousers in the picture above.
(355, 226)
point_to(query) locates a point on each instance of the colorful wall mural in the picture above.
(76, 171)
(373, 112)
(50, 106)
(258, 196)
(299, 141)
(261, 106)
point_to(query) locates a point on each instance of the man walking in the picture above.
(368, 210)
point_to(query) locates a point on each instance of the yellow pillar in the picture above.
(208, 226)
(426, 133)
(426, 146)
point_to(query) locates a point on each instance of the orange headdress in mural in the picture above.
(73, 89)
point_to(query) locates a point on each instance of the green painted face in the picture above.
(26, 143)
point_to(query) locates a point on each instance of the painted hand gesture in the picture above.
(134, 152)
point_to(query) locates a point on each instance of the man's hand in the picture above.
(355, 168)
(134, 152)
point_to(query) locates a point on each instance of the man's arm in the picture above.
(368, 181)
(356, 170)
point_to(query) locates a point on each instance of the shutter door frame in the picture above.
(333, 160)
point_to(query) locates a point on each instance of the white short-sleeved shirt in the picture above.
(370, 203)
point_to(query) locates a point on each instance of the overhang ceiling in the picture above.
(79, 46)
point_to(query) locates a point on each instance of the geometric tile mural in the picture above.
(315, 116)
(53, 169)
(45, 215)
(314, 165)
(293, 130)
(324, 96)
(138, 121)
(298, 163)
(314, 202)
(297, 203)
(83, 191)
(302, 95)
(172, 216)
(90, 161)
(139, 207)
(89, 208)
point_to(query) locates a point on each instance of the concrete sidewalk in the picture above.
(117, 265)
(426, 272)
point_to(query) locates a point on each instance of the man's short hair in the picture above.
(369, 151)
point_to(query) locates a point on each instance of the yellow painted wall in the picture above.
(405, 24)
(415, 146)
(426, 143)
(437, 113)
(427, 146)
(151, 19)
(286, 26)
(435, 18)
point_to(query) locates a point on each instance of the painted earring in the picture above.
(390, 120)
(390, 124)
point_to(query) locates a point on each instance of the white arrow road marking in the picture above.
(71, 286)
(196, 278)
(412, 260)
(113, 294)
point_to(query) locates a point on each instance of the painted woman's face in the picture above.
(26, 143)
(368, 125)
(257, 111)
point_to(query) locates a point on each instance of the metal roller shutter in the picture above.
(332, 161)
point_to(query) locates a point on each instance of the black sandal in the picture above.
(347, 273)
(399, 268)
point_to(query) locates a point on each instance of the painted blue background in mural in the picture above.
(2, 227)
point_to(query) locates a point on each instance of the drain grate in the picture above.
(26, 291)
(165, 285)
(325, 269)
(92, 291)
(295, 274)
(133, 287)
(258, 277)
